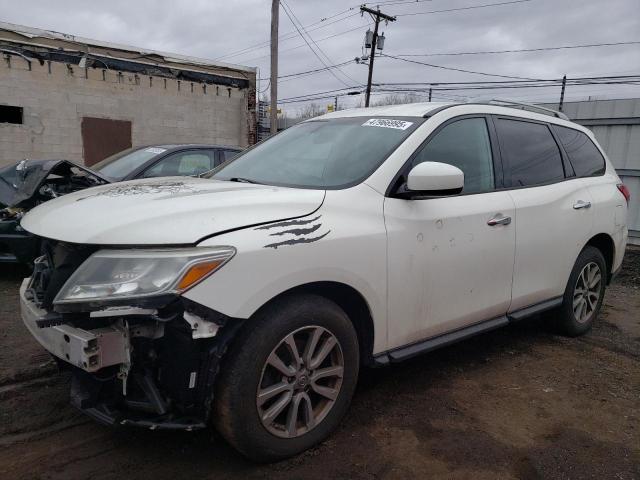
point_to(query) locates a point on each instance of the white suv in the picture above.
(251, 298)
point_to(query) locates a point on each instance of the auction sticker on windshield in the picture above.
(387, 123)
(155, 150)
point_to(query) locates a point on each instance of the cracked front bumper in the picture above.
(89, 350)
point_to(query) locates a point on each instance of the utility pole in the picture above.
(564, 84)
(377, 16)
(335, 104)
(273, 114)
(429, 94)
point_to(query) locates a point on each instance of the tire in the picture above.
(239, 412)
(580, 306)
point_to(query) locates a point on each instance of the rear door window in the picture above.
(187, 163)
(531, 152)
(586, 159)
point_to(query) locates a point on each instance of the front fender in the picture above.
(344, 242)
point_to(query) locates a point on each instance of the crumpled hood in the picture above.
(166, 211)
(20, 182)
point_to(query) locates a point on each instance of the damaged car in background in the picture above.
(251, 297)
(32, 182)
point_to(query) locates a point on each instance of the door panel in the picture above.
(550, 234)
(553, 213)
(447, 267)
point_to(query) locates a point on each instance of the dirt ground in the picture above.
(521, 402)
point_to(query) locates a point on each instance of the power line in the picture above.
(461, 86)
(287, 36)
(320, 24)
(315, 70)
(317, 41)
(455, 69)
(318, 48)
(540, 49)
(285, 7)
(472, 7)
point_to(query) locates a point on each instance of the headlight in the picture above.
(124, 274)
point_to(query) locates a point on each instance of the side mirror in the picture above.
(435, 179)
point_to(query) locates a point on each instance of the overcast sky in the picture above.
(215, 29)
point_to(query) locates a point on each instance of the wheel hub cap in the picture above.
(586, 292)
(300, 382)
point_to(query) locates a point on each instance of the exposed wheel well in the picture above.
(353, 304)
(604, 243)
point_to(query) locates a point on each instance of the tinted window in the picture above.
(182, 164)
(583, 154)
(332, 153)
(464, 144)
(531, 151)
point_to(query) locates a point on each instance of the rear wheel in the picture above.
(584, 293)
(288, 378)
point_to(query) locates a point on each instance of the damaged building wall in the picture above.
(56, 96)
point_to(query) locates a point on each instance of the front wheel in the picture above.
(288, 378)
(584, 293)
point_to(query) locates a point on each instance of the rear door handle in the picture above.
(581, 204)
(499, 219)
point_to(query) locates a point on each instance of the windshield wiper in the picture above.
(243, 180)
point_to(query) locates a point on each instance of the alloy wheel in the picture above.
(300, 382)
(587, 292)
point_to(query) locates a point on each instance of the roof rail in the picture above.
(526, 106)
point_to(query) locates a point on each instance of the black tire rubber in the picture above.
(235, 414)
(567, 322)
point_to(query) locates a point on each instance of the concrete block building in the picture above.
(78, 99)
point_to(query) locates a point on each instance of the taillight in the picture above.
(624, 191)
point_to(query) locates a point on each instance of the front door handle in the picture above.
(499, 219)
(581, 204)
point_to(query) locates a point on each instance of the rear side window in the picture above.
(586, 159)
(531, 151)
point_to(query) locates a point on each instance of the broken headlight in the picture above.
(125, 274)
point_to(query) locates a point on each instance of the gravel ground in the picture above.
(521, 402)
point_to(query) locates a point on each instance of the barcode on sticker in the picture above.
(387, 123)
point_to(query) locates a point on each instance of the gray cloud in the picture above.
(211, 29)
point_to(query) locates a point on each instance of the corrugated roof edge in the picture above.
(30, 32)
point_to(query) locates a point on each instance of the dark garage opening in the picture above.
(9, 114)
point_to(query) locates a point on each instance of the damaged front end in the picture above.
(28, 184)
(140, 353)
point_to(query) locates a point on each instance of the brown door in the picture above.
(102, 137)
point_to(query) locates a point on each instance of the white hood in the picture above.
(166, 211)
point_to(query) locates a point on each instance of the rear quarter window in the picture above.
(585, 157)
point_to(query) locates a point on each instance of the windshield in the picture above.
(123, 163)
(334, 153)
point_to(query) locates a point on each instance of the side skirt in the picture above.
(424, 346)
